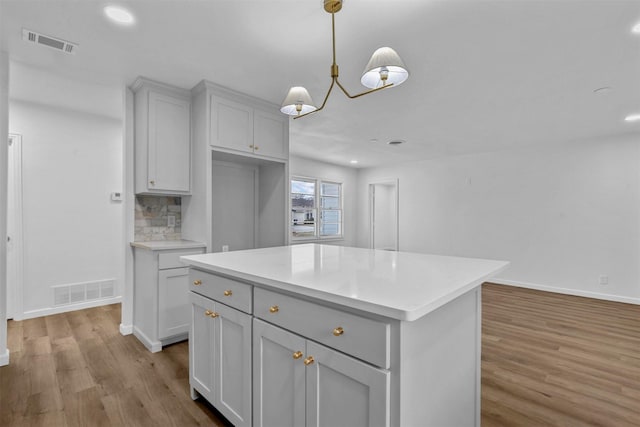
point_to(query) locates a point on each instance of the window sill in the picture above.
(302, 241)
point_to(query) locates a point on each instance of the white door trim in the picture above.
(372, 185)
(15, 255)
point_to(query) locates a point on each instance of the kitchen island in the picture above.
(321, 335)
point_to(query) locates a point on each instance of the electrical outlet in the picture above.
(225, 248)
(171, 221)
(604, 279)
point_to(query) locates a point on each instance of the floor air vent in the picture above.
(48, 41)
(81, 292)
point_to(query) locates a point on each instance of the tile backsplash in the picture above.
(152, 218)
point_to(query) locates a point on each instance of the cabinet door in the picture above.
(270, 134)
(233, 365)
(279, 377)
(342, 391)
(173, 302)
(201, 346)
(169, 148)
(231, 125)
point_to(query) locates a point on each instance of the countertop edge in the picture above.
(369, 307)
(165, 245)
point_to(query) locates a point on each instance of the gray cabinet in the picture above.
(162, 138)
(161, 296)
(220, 346)
(244, 127)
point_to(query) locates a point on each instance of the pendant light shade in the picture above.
(384, 67)
(298, 101)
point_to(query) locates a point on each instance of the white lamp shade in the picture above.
(387, 60)
(297, 96)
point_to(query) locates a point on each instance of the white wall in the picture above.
(72, 161)
(299, 166)
(4, 130)
(562, 216)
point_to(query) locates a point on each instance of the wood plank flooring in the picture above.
(75, 369)
(558, 360)
(547, 360)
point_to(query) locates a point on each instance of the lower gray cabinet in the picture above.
(220, 358)
(298, 382)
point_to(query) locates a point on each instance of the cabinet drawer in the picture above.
(361, 337)
(227, 291)
(172, 259)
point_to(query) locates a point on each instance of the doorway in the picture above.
(383, 203)
(14, 228)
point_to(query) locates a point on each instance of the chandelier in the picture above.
(385, 69)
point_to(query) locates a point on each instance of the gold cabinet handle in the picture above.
(255, 147)
(208, 312)
(297, 355)
(197, 282)
(309, 360)
(228, 293)
(211, 314)
(274, 309)
(251, 146)
(338, 331)
(152, 182)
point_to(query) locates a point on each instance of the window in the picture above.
(316, 209)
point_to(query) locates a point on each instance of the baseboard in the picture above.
(567, 291)
(152, 346)
(126, 329)
(4, 358)
(72, 307)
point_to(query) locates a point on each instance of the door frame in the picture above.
(15, 307)
(394, 182)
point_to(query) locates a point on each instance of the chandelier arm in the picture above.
(366, 92)
(323, 102)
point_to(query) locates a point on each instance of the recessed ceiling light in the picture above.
(119, 15)
(632, 118)
(353, 162)
(636, 29)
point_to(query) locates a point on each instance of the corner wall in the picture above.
(562, 216)
(4, 166)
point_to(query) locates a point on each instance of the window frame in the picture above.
(317, 209)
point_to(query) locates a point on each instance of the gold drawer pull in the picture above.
(308, 361)
(197, 282)
(274, 309)
(228, 293)
(297, 355)
(255, 147)
(211, 314)
(338, 331)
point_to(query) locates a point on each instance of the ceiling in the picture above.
(486, 75)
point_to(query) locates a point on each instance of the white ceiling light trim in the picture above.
(119, 15)
(636, 28)
(632, 118)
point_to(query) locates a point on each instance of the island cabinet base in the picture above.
(290, 360)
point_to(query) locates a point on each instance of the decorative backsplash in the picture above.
(152, 218)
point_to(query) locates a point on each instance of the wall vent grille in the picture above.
(48, 41)
(82, 292)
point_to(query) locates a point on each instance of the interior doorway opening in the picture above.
(14, 229)
(383, 203)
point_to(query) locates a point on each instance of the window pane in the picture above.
(303, 223)
(303, 187)
(302, 201)
(330, 203)
(330, 229)
(330, 216)
(330, 189)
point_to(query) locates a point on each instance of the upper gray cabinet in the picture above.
(162, 138)
(244, 127)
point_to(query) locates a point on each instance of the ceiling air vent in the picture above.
(48, 41)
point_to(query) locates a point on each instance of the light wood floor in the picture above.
(548, 359)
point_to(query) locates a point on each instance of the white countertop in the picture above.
(165, 245)
(400, 285)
